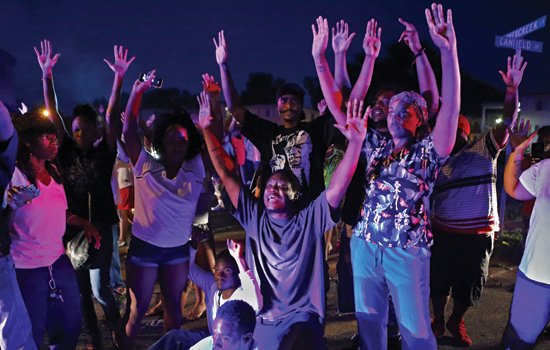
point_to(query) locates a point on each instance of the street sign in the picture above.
(514, 39)
(528, 28)
(518, 44)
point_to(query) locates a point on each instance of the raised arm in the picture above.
(212, 89)
(340, 45)
(222, 161)
(520, 141)
(443, 36)
(249, 283)
(426, 77)
(512, 78)
(355, 131)
(6, 126)
(131, 116)
(229, 91)
(371, 45)
(46, 62)
(331, 92)
(113, 126)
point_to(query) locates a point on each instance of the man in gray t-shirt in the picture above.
(283, 241)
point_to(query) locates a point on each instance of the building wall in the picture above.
(536, 108)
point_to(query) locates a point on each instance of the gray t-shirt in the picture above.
(286, 255)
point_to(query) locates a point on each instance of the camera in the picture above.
(156, 82)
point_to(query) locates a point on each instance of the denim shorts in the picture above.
(144, 254)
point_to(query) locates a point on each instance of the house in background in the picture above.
(536, 108)
(533, 107)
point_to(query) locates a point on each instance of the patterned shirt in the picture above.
(396, 207)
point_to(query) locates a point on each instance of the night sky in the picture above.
(175, 38)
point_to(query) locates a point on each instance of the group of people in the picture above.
(406, 180)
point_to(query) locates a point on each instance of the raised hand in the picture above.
(205, 115)
(355, 129)
(235, 249)
(514, 74)
(221, 48)
(142, 86)
(211, 87)
(23, 108)
(340, 38)
(320, 37)
(121, 64)
(410, 36)
(322, 106)
(371, 42)
(45, 59)
(441, 31)
(519, 135)
(209, 84)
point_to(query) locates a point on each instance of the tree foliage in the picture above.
(261, 88)
(171, 99)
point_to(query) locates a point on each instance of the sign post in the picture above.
(515, 40)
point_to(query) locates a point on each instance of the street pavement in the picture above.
(484, 323)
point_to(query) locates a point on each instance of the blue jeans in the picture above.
(15, 325)
(115, 272)
(405, 273)
(61, 319)
(530, 309)
(96, 280)
(146, 254)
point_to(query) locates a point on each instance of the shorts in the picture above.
(145, 254)
(126, 198)
(459, 262)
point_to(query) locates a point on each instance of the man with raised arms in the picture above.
(284, 241)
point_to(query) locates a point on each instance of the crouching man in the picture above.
(284, 240)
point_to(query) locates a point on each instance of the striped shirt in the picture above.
(465, 196)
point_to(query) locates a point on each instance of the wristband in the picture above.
(420, 53)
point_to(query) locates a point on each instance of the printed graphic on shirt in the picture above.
(293, 152)
(81, 174)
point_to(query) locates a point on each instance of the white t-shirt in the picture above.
(208, 344)
(38, 228)
(165, 207)
(535, 263)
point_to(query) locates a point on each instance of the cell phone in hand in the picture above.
(156, 82)
(27, 193)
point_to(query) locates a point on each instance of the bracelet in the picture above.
(420, 53)
(47, 77)
(70, 217)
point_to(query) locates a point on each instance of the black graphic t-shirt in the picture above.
(90, 173)
(301, 149)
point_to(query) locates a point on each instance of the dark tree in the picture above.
(261, 88)
(171, 98)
